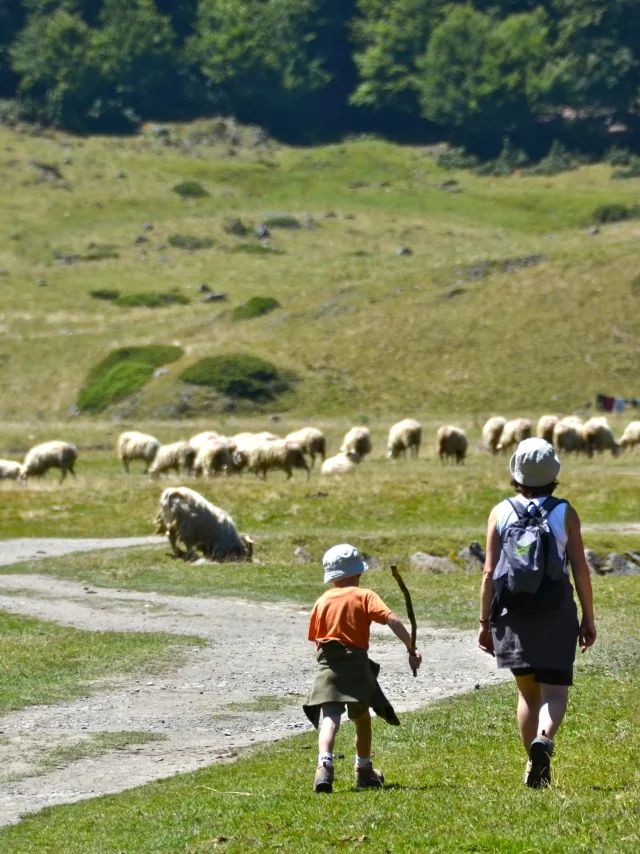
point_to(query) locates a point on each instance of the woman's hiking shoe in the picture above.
(324, 779)
(538, 773)
(368, 778)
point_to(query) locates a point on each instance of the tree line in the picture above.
(308, 69)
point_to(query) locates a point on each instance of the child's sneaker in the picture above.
(538, 773)
(367, 777)
(324, 779)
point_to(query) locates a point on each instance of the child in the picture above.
(339, 625)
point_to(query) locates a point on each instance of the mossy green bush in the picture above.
(457, 158)
(256, 249)
(107, 294)
(282, 221)
(238, 375)
(191, 190)
(615, 212)
(123, 373)
(151, 299)
(191, 242)
(255, 307)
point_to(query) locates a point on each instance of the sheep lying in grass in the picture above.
(188, 518)
(49, 455)
(404, 436)
(275, 454)
(215, 457)
(341, 463)
(358, 441)
(513, 433)
(546, 426)
(567, 436)
(452, 442)
(631, 436)
(491, 433)
(312, 442)
(137, 446)
(598, 436)
(178, 457)
(9, 470)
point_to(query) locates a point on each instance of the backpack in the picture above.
(530, 573)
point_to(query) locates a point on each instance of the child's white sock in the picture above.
(325, 758)
(362, 760)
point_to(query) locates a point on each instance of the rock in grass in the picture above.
(262, 232)
(302, 555)
(148, 226)
(424, 562)
(204, 289)
(473, 555)
(141, 239)
(593, 562)
(237, 227)
(404, 250)
(215, 296)
(619, 565)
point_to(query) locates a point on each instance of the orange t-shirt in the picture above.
(345, 614)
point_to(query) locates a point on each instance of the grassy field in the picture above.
(454, 781)
(44, 663)
(365, 331)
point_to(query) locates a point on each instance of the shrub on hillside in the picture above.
(191, 242)
(457, 158)
(105, 294)
(559, 159)
(631, 170)
(256, 249)
(618, 156)
(191, 190)
(255, 307)
(123, 373)
(151, 299)
(506, 163)
(615, 212)
(238, 375)
(282, 221)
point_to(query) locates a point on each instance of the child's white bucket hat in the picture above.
(534, 463)
(342, 561)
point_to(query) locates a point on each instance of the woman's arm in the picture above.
(487, 591)
(582, 579)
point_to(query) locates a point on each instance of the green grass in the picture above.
(151, 299)
(190, 242)
(43, 663)
(453, 782)
(238, 375)
(255, 307)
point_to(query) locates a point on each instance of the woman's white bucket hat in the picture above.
(534, 463)
(342, 561)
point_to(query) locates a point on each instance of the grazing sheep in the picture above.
(404, 436)
(275, 454)
(214, 457)
(137, 446)
(312, 442)
(341, 463)
(514, 432)
(546, 426)
(452, 442)
(631, 436)
(49, 455)
(188, 518)
(198, 441)
(9, 470)
(357, 440)
(567, 437)
(491, 433)
(598, 436)
(178, 456)
(244, 443)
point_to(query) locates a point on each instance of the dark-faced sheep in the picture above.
(357, 441)
(514, 432)
(178, 457)
(189, 519)
(404, 436)
(312, 442)
(491, 433)
(452, 442)
(137, 446)
(49, 455)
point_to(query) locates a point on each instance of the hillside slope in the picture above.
(363, 329)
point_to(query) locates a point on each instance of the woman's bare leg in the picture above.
(529, 704)
(554, 701)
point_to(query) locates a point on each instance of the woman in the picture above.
(537, 644)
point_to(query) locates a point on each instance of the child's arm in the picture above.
(397, 627)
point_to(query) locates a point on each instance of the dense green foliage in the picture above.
(311, 68)
(238, 375)
(255, 307)
(121, 374)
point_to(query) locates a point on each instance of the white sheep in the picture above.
(357, 440)
(188, 518)
(214, 457)
(452, 442)
(491, 433)
(513, 433)
(546, 426)
(137, 446)
(404, 436)
(9, 470)
(631, 436)
(341, 464)
(567, 436)
(244, 443)
(49, 455)
(598, 436)
(179, 457)
(312, 442)
(198, 441)
(274, 454)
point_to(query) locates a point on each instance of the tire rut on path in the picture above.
(252, 649)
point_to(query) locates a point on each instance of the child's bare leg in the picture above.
(363, 735)
(328, 731)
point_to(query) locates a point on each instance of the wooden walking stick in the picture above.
(410, 614)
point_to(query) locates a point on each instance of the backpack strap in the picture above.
(549, 505)
(517, 509)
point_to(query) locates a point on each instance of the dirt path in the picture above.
(252, 650)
